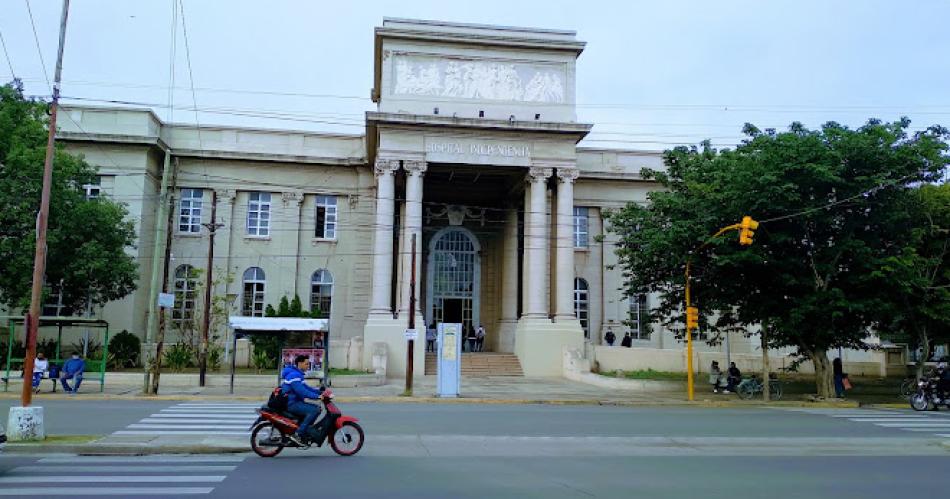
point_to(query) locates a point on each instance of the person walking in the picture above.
(715, 376)
(40, 366)
(480, 338)
(838, 374)
(610, 337)
(430, 337)
(627, 341)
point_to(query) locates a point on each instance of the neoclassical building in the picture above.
(471, 151)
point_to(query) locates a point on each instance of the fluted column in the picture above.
(411, 225)
(564, 254)
(509, 269)
(537, 244)
(385, 170)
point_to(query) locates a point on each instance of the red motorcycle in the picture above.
(271, 432)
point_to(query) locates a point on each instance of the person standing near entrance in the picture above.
(627, 341)
(470, 336)
(430, 338)
(610, 337)
(480, 338)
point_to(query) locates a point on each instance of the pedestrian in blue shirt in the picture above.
(72, 369)
(292, 383)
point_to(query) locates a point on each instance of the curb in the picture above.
(120, 449)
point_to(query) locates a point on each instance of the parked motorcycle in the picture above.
(270, 434)
(927, 397)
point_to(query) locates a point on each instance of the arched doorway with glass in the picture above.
(453, 282)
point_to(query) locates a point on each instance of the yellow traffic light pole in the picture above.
(746, 229)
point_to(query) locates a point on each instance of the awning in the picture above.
(241, 323)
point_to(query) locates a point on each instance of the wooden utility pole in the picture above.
(32, 320)
(206, 320)
(412, 317)
(163, 317)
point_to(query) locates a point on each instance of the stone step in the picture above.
(480, 364)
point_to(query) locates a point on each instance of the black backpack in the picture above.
(278, 400)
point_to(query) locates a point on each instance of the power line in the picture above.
(7, 55)
(36, 39)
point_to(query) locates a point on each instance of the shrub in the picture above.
(179, 356)
(266, 351)
(215, 354)
(124, 350)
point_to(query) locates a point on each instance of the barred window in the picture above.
(252, 301)
(581, 227)
(53, 304)
(93, 189)
(186, 290)
(581, 304)
(189, 211)
(326, 217)
(258, 214)
(636, 317)
(321, 293)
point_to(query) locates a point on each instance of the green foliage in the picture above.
(179, 356)
(267, 347)
(17, 352)
(215, 356)
(124, 350)
(93, 349)
(87, 239)
(809, 280)
(264, 358)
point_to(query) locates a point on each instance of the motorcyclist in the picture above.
(292, 382)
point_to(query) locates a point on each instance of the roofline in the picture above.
(522, 29)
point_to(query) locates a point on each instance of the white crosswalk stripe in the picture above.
(125, 476)
(193, 418)
(905, 420)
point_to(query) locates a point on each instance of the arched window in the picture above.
(581, 308)
(252, 303)
(321, 293)
(186, 284)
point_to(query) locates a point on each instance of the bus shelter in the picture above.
(72, 323)
(282, 327)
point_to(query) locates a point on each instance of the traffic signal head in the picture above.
(747, 230)
(692, 318)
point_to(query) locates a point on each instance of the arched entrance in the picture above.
(453, 281)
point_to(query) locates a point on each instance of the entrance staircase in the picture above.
(481, 364)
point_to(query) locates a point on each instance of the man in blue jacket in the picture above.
(292, 382)
(73, 368)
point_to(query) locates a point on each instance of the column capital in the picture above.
(539, 174)
(227, 195)
(386, 166)
(567, 174)
(292, 197)
(415, 167)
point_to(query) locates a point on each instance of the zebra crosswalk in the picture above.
(906, 420)
(125, 476)
(196, 418)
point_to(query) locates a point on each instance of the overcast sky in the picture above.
(654, 74)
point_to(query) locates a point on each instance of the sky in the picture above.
(654, 74)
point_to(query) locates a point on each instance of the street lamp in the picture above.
(746, 230)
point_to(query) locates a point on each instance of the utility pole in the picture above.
(412, 317)
(32, 319)
(156, 365)
(212, 227)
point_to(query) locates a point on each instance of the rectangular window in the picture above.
(93, 190)
(637, 317)
(258, 214)
(326, 217)
(189, 211)
(253, 304)
(53, 305)
(581, 224)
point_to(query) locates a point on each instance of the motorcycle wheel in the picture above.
(746, 391)
(919, 402)
(262, 440)
(348, 439)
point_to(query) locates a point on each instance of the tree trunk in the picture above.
(824, 380)
(924, 353)
(766, 390)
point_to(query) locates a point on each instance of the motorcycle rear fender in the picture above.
(283, 424)
(255, 423)
(345, 419)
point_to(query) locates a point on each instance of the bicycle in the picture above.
(750, 387)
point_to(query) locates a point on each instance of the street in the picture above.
(500, 450)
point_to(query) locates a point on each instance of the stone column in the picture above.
(383, 242)
(509, 268)
(536, 246)
(564, 254)
(412, 224)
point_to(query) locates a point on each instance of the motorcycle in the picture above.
(927, 396)
(270, 434)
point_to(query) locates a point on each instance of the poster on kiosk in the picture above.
(450, 360)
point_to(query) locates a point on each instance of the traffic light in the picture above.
(692, 318)
(747, 230)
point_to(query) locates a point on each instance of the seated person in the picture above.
(73, 368)
(715, 376)
(734, 377)
(292, 381)
(40, 366)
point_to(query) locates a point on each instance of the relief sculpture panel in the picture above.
(478, 79)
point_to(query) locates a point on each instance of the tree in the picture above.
(919, 274)
(87, 261)
(809, 279)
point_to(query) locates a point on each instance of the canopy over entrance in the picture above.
(277, 326)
